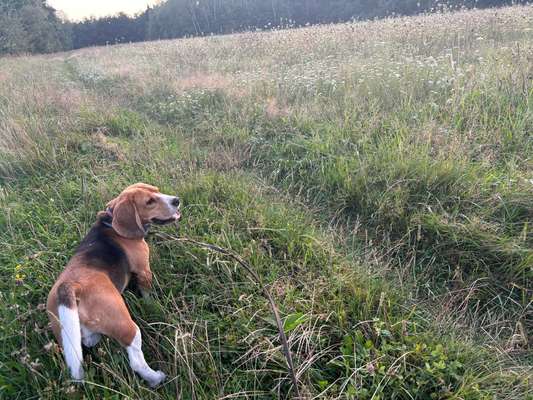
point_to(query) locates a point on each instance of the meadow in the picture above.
(377, 175)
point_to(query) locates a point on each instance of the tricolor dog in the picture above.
(86, 302)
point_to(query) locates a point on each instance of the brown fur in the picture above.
(95, 280)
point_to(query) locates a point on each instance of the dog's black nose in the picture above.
(176, 201)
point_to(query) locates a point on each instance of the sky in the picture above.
(79, 9)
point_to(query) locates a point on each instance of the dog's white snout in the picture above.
(173, 202)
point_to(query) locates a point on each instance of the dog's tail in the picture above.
(70, 327)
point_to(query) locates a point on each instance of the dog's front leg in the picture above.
(141, 275)
(144, 281)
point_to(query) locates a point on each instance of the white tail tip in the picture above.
(71, 338)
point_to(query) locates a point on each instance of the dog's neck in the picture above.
(106, 219)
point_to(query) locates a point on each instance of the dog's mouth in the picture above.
(175, 217)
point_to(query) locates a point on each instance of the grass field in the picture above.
(377, 175)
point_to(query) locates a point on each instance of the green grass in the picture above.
(376, 175)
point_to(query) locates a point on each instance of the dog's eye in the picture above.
(150, 201)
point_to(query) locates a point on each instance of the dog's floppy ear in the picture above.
(126, 220)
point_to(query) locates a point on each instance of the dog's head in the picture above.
(142, 204)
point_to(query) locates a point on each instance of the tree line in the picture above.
(32, 26)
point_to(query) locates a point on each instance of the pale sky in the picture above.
(79, 9)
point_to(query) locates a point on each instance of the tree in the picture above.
(13, 38)
(30, 26)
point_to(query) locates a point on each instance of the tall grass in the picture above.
(376, 174)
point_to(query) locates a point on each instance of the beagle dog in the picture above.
(85, 301)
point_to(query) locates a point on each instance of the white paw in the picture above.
(77, 376)
(88, 337)
(157, 378)
(91, 340)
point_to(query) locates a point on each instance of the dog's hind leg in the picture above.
(138, 363)
(119, 326)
